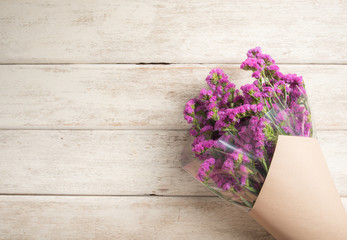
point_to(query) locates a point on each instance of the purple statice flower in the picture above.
(249, 88)
(256, 74)
(210, 114)
(218, 163)
(216, 77)
(200, 145)
(208, 144)
(280, 87)
(253, 64)
(256, 126)
(293, 79)
(287, 129)
(190, 105)
(198, 149)
(223, 89)
(189, 110)
(245, 159)
(228, 164)
(243, 168)
(198, 141)
(205, 94)
(243, 180)
(224, 182)
(206, 128)
(254, 52)
(260, 107)
(219, 90)
(251, 93)
(247, 147)
(204, 169)
(272, 67)
(193, 132)
(280, 117)
(234, 114)
(299, 127)
(225, 99)
(267, 92)
(200, 119)
(211, 104)
(236, 161)
(231, 113)
(257, 62)
(229, 86)
(278, 75)
(226, 186)
(239, 99)
(188, 118)
(220, 124)
(300, 120)
(267, 58)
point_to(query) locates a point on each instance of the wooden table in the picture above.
(91, 103)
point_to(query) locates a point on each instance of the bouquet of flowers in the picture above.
(242, 134)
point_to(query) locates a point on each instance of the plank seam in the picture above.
(110, 195)
(98, 195)
(137, 129)
(165, 63)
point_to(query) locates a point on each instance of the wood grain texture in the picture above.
(40, 217)
(133, 96)
(117, 162)
(171, 31)
(83, 145)
(124, 218)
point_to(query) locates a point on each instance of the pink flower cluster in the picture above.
(236, 130)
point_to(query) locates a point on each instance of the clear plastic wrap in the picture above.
(236, 130)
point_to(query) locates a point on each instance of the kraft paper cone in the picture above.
(298, 199)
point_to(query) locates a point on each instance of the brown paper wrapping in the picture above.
(298, 199)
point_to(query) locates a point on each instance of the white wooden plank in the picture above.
(130, 96)
(28, 217)
(117, 162)
(171, 31)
